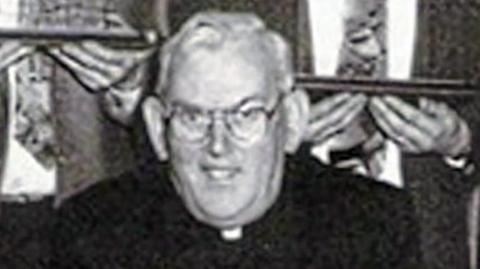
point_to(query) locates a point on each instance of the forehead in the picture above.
(361, 13)
(220, 77)
(362, 8)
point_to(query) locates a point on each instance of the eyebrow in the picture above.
(243, 102)
(357, 23)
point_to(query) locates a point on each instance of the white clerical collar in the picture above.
(232, 234)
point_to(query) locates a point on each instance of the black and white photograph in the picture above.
(239, 134)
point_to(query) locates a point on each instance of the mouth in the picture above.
(221, 175)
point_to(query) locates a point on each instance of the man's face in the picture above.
(363, 56)
(364, 52)
(230, 175)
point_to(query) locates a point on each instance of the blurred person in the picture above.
(421, 144)
(23, 226)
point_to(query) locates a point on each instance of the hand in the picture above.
(334, 114)
(118, 75)
(433, 127)
(98, 67)
(120, 104)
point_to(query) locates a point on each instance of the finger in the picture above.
(447, 118)
(90, 64)
(339, 126)
(9, 48)
(328, 104)
(354, 104)
(129, 100)
(106, 54)
(116, 70)
(321, 132)
(395, 126)
(13, 52)
(455, 130)
(335, 121)
(403, 142)
(460, 141)
(433, 108)
(406, 145)
(415, 117)
(133, 78)
(426, 105)
(78, 67)
(115, 19)
(101, 53)
(92, 80)
(120, 106)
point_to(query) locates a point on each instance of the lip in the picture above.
(222, 175)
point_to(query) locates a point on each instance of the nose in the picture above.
(370, 48)
(373, 48)
(218, 140)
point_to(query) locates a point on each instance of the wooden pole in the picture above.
(317, 85)
(47, 35)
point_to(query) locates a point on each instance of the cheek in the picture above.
(261, 159)
(185, 163)
(258, 159)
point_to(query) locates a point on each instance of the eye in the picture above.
(359, 38)
(249, 114)
(191, 117)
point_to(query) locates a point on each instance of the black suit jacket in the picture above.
(25, 232)
(323, 219)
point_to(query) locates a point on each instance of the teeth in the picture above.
(220, 173)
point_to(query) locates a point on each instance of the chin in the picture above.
(226, 217)
(222, 222)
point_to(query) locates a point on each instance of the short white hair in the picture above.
(210, 30)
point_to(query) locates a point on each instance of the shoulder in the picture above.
(24, 234)
(114, 194)
(113, 202)
(358, 213)
(337, 190)
(312, 175)
(112, 218)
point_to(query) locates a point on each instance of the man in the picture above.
(223, 115)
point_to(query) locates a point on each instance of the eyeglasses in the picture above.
(247, 122)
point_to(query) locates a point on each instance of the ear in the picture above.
(152, 111)
(297, 109)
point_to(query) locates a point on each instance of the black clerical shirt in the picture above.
(323, 218)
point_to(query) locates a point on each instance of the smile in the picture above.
(221, 175)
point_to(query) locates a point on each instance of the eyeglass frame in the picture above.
(169, 114)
